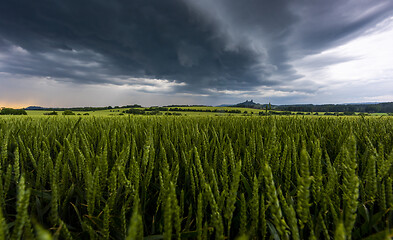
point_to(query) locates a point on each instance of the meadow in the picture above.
(196, 177)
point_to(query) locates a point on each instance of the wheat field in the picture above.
(179, 177)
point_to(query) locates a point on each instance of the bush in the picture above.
(68, 112)
(135, 111)
(11, 111)
(234, 111)
(153, 113)
(349, 113)
(51, 113)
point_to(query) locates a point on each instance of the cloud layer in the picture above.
(211, 48)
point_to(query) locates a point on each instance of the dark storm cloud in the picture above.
(221, 44)
(325, 24)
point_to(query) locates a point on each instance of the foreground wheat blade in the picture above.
(169, 177)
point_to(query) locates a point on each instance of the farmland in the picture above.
(196, 177)
(182, 110)
(194, 111)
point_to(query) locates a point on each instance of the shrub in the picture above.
(51, 113)
(11, 111)
(135, 111)
(68, 112)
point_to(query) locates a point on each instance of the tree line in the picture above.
(11, 111)
(368, 108)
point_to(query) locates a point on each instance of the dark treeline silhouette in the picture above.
(178, 109)
(83, 109)
(348, 108)
(203, 110)
(157, 110)
(186, 105)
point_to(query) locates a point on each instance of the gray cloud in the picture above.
(221, 44)
(325, 24)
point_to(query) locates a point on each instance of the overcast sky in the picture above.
(154, 52)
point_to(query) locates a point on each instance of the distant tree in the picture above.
(134, 111)
(156, 112)
(11, 111)
(68, 112)
(349, 113)
(51, 113)
(132, 106)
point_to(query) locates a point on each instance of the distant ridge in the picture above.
(369, 107)
(34, 108)
(249, 104)
(386, 107)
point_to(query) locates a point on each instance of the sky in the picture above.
(65, 53)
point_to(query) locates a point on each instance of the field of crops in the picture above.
(176, 177)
